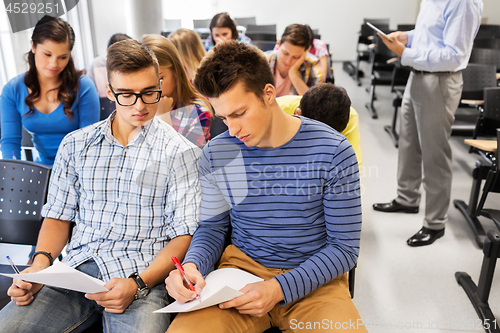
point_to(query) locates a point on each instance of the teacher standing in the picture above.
(438, 49)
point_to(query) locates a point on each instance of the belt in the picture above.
(417, 71)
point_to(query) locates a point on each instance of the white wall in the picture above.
(491, 12)
(109, 18)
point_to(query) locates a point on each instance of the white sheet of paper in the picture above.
(62, 276)
(222, 285)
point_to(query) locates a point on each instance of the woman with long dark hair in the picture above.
(222, 27)
(51, 99)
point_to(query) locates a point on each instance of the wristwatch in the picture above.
(142, 288)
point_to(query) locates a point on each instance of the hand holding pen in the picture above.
(14, 267)
(21, 291)
(183, 274)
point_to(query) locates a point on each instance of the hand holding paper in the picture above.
(258, 298)
(21, 291)
(62, 276)
(221, 285)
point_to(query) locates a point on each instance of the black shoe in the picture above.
(395, 207)
(425, 236)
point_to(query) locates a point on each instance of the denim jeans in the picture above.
(57, 310)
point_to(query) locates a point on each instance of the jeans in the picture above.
(57, 310)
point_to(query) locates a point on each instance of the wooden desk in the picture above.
(486, 145)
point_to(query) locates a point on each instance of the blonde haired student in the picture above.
(181, 105)
(190, 49)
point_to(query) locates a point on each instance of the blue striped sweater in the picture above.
(295, 206)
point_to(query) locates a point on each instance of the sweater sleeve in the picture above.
(342, 211)
(89, 109)
(208, 241)
(11, 123)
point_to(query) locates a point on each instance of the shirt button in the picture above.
(95, 254)
(119, 174)
(112, 224)
(126, 149)
(118, 199)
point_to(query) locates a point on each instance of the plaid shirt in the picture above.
(310, 71)
(127, 202)
(193, 122)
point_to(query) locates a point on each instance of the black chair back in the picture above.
(23, 190)
(268, 28)
(245, 21)
(377, 22)
(477, 77)
(261, 32)
(107, 107)
(485, 57)
(217, 127)
(201, 23)
(488, 31)
(264, 45)
(489, 119)
(367, 33)
(406, 27)
(487, 43)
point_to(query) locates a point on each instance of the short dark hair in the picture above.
(230, 62)
(129, 56)
(327, 103)
(118, 38)
(223, 20)
(298, 35)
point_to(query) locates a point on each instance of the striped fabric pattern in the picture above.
(295, 206)
(127, 202)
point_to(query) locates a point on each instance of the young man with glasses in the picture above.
(130, 186)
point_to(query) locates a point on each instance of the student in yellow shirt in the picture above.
(331, 105)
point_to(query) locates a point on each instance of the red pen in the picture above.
(181, 270)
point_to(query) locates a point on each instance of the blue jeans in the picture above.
(60, 310)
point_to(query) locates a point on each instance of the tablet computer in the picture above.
(379, 31)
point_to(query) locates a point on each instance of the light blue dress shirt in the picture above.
(443, 35)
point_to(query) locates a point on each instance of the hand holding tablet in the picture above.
(379, 31)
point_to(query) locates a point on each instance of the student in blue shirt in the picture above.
(289, 187)
(51, 99)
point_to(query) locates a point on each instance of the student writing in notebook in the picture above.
(130, 186)
(289, 187)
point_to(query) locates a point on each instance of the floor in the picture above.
(399, 288)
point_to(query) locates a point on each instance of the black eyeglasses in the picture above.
(129, 98)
